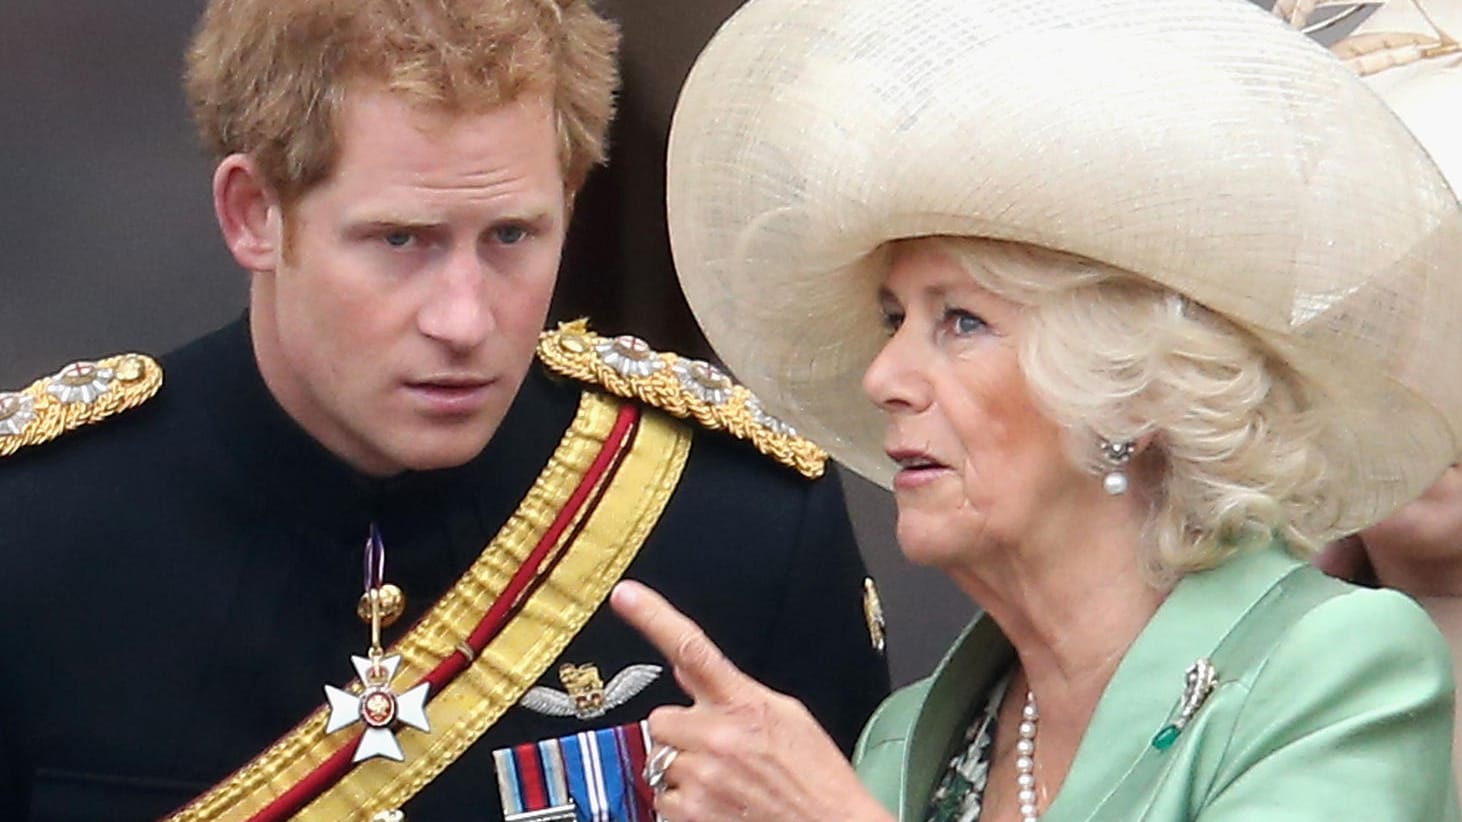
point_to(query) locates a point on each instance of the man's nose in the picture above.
(459, 313)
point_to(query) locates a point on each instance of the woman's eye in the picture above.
(892, 320)
(510, 234)
(963, 322)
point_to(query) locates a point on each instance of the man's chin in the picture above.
(436, 450)
(439, 459)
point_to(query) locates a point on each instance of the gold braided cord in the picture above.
(610, 535)
(605, 540)
(136, 379)
(570, 350)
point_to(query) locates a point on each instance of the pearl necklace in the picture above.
(1025, 759)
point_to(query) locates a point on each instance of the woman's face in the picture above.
(980, 466)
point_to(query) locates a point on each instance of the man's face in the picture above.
(403, 317)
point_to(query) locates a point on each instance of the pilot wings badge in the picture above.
(588, 697)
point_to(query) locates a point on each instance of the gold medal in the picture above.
(378, 706)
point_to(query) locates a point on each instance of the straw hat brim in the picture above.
(1199, 143)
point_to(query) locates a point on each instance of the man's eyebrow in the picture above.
(394, 219)
(388, 218)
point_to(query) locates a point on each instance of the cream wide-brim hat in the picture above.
(1202, 144)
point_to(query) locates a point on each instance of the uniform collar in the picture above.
(299, 480)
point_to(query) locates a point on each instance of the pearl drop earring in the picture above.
(1116, 455)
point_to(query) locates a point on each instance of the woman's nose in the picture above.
(895, 380)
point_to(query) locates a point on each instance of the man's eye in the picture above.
(892, 320)
(398, 239)
(510, 234)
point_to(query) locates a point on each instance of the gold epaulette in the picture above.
(80, 394)
(690, 389)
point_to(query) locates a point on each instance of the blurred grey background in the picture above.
(107, 239)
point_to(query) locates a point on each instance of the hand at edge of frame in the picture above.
(746, 752)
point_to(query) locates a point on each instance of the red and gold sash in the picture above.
(544, 575)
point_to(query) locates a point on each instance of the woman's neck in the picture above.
(1071, 607)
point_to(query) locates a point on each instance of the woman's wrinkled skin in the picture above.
(746, 751)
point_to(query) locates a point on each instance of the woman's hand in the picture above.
(1346, 559)
(743, 751)
(1417, 549)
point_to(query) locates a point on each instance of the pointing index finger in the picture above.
(699, 664)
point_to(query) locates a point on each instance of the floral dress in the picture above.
(962, 790)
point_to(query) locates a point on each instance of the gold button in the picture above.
(130, 369)
(393, 604)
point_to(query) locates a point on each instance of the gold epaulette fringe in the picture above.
(690, 389)
(81, 394)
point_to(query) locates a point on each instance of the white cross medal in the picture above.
(377, 707)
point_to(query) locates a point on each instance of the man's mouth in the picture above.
(451, 395)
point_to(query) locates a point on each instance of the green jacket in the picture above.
(1333, 703)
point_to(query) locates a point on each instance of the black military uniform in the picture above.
(178, 582)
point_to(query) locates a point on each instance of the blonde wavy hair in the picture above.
(267, 78)
(1236, 437)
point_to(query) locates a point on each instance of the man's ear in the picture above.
(570, 196)
(248, 213)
